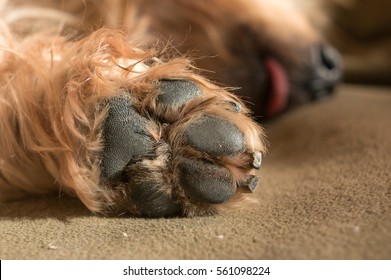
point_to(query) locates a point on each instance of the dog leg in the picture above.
(129, 133)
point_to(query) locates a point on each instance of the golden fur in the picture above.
(227, 40)
(58, 65)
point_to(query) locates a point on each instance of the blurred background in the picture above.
(361, 30)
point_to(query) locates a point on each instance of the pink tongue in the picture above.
(279, 87)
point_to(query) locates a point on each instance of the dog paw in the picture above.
(126, 135)
(186, 149)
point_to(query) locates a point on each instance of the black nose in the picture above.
(327, 71)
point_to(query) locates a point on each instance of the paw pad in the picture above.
(205, 182)
(172, 96)
(196, 157)
(177, 92)
(215, 136)
(126, 137)
(151, 202)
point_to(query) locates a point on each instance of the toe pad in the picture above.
(177, 92)
(151, 202)
(205, 182)
(215, 136)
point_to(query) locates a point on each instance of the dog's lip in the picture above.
(279, 87)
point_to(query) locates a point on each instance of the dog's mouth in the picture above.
(316, 80)
(279, 87)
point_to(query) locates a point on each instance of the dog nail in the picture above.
(252, 183)
(151, 202)
(205, 182)
(235, 107)
(215, 136)
(177, 92)
(257, 160)
(125, 135)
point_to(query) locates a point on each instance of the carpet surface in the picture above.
(325, 193)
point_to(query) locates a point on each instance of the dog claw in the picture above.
(215, 136)
(257, 162)
(235, 107)
(252, 183)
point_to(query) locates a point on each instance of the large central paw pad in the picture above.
(189, 151)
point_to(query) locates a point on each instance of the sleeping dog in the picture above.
(113, 101)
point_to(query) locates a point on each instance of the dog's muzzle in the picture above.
(319, 78)
(326, 71)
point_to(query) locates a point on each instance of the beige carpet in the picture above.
(325, 194)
